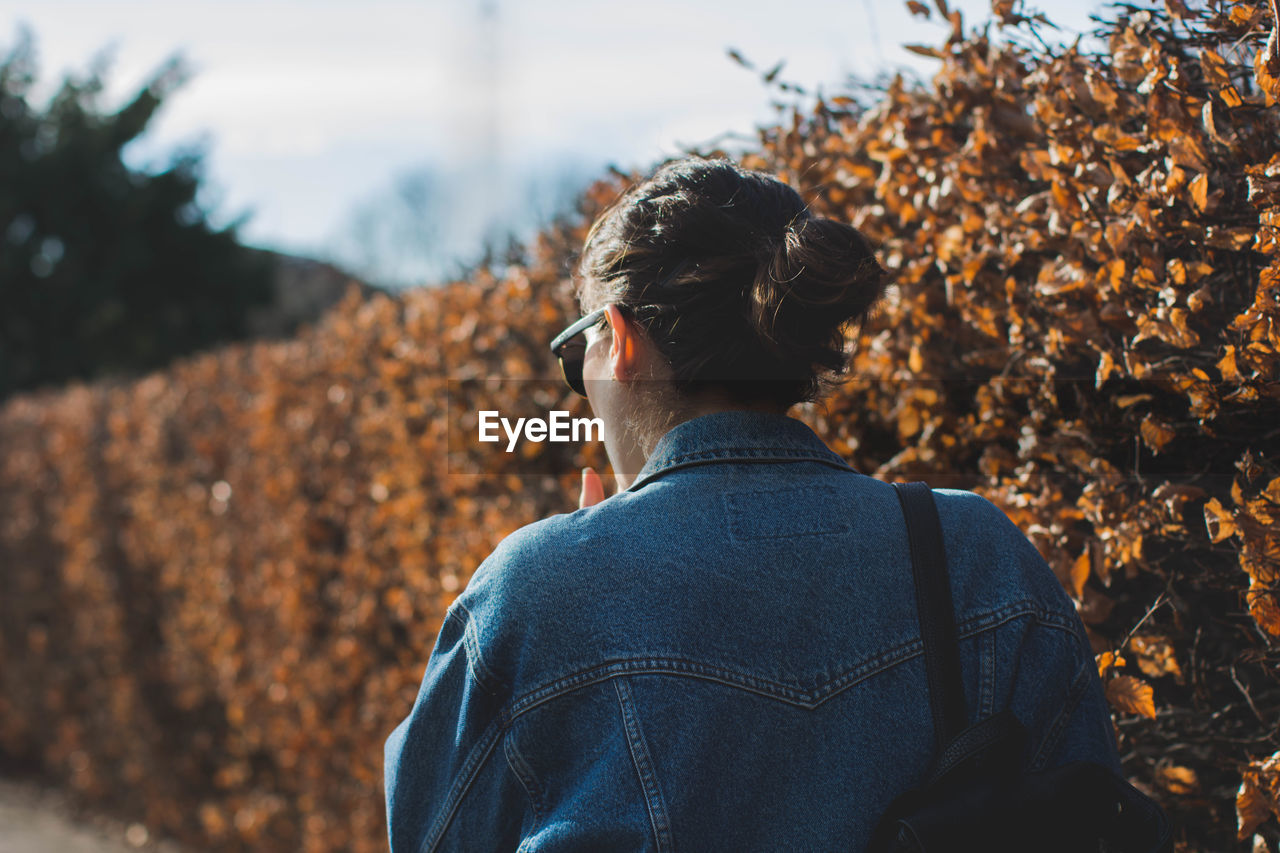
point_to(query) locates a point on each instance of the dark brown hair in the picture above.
(733, 279)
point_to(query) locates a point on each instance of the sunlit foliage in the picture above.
(222, 582)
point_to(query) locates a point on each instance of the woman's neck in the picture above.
(659, 419)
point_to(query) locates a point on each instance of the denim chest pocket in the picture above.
(785, 513)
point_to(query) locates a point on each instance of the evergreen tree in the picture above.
(104, 269)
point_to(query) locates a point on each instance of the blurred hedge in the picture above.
(221, 582)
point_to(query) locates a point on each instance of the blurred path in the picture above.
(33, 820)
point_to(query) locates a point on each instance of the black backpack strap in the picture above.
(935, 610)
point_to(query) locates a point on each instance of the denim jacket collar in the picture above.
(735, 435)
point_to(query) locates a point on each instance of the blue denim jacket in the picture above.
(724, 656)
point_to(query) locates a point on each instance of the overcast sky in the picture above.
(310, 110)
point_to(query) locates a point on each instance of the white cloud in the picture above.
(310, 105)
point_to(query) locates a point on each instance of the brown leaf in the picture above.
(1106, 366)
(1208, 116)
(1124, 401)
(1215, 69)
(1230, 238)
(1131, 695)
(1227, 365)
(1263, 606)
(1220, 522)
(1187, 151)
(1272, 491)
(1253, 805)
(1154, 654)
(1156, 433)
(1080, 574)
(1099, 89)
(924, 50)
(1200, 191)
(1108, 661)
(1177, 780)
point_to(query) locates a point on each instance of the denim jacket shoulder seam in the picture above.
(524, 773)
(1075, 693)
(475, 762)
(488, 680)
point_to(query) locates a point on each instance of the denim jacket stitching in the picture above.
(1078, 686)
(644, 767)
(987, 693)
(675, 666)
(476, 759)
(520, 767)
(883, 660)
(520, 693)
(707, 458)
(746, 452)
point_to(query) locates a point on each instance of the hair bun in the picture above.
(762, 308)
(822, 275)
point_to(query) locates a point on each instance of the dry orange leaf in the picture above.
(1131, 695)
(1227, 365)
(1155, 655)
(1272, 491)
(1258, 797)
(1177, 780)
(1108, 661)
(1219, 521)
(1263, 606)
(1156, 433)
(1200, 190)
(1080, 573)
(924, 50)
(1106, 366)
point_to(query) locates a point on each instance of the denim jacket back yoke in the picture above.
(724, 656)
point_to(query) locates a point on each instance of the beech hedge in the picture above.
(221, 582)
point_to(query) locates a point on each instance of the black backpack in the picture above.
(978, 796)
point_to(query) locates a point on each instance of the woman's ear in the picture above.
(624, 349)
(631, 354)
